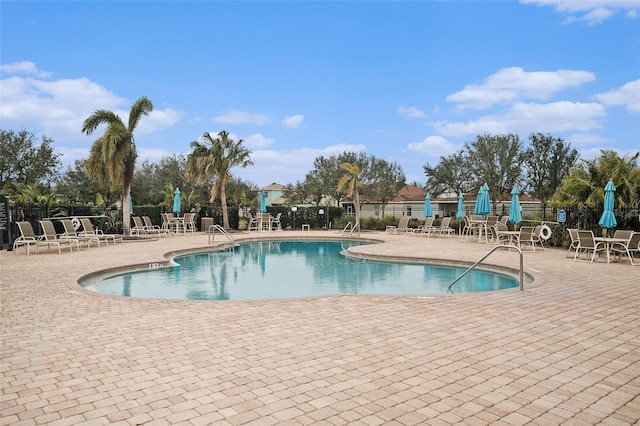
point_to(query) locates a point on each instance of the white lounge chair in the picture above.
(49, 235)
(88, 229)
(444, 228)
(70, 232)
(27, 238)
(403, 226)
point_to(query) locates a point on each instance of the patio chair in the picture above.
(70, 232)
(27, 238)
(189, 223)
(573, 245)
(495, 237)
(624, 234)
(470, 229)
(253, 223)
(536, 237)
(275, 222)
(504, 219)
(628, 249)
(526, 238)
(588, 246)
(88, 229)
(49, 235)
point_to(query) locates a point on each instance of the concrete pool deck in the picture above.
(564, 351)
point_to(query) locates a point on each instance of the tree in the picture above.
(351, 183)
(76, 185)
(214, 158)
(382, 180)
(548, 160)
(23, 161)
(584, 186)
(451, 174)
(497, 161)
(115, 152)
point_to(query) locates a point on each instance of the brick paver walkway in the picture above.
(564, 351)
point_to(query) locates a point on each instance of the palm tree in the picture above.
(350, 180)
(114, 154)
(214, 158)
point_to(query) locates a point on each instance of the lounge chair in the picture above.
(49, 235)
(70, 232)
(27, 238)
(138, 226)
(444, 227)
(403, 226)
(88, 229)
(426, 229)
(588, 246)
(628, 249)
(151, 228)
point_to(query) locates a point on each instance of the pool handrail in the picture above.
(504, 246)
(351, 228)
(221, 230)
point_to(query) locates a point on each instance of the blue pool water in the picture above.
(289, 269)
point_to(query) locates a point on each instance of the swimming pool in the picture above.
(291, 269)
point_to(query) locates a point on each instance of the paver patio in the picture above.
(564, 351)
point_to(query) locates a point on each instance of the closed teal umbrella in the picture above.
(263, 202)
(515, 216)
(483, 204)
(428, 211)
(130, 203)
(608, 219)
(460, 212)
(176, 201)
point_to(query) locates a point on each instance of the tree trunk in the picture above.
(225, 214)
(126, 214)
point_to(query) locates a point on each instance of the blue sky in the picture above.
(405, 81)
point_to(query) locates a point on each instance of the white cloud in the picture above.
(584, 139)
(590, 11)
(627, 95)
(412, 112)
(257, 141)
(156, 120)
(433, 146)
(239, 117)
(524, 118)
(513, 84)
(292, 121)
(287, 166)
(24, 67)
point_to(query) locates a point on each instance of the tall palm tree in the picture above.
(114, 154)
(351, 182)
(214, 158)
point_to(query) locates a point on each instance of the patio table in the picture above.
(608, 242)
(511, 235)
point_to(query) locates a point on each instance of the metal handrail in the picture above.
(347, 227)
(508, 247)
(220, 229)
